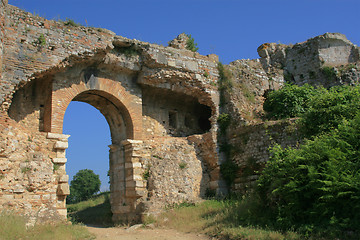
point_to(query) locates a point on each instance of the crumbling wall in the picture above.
(250, 148)
(312, 61)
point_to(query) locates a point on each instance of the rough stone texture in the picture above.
(153, 98)
(189, 177)
(250, 82)
(304, 62)
(251, 144)
(3, 7)
(179, 42)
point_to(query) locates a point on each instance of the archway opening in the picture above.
(113, 117)
(89, 141)
(88, 149)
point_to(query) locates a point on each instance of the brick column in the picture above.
(61, 144)
(135, 186)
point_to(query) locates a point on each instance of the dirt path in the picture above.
(119, 233)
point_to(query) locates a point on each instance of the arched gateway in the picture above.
(161, 104)
(123, 112)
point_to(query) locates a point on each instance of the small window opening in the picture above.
(188, 121)
(173, 119)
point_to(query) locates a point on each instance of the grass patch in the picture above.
(220, 219)
(96, 210)
(14, 227)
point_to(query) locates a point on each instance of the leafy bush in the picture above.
(190, 44)
(289, 101)
(316, 188)
(85, 184)
(327, 110)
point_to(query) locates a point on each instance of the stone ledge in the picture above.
(59, 136)
(61, 145)
(131, 141)
(59, 160)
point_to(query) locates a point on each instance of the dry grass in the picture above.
(96, 210)
(217, 219)
(14, 227)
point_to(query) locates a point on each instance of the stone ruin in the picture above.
(161, 104)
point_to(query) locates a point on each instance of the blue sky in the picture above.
(232, 29)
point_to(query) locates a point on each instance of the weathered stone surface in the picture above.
(63, 189)
(61, 145)
(304, 62)
(58, 136)
(179, 42)
(59, 160)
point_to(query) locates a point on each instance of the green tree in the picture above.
(85, 184)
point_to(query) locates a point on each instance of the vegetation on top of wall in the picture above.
(289, 101)
(128, 51)
(71, 22)
(320, 110)
(190, 44)
(329, 109)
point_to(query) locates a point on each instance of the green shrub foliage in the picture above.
(327, 110)
(190, 44)
(289, 101)
(316, 188)
(84, 185)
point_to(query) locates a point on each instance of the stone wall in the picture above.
(3, 7)
(250, 148)
(305, 62)
(174, 173)
(28, 175)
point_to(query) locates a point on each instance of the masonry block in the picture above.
(63, 189)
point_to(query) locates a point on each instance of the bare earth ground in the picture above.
(120, 233)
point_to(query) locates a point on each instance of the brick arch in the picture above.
(123, 111)
(129, 105)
